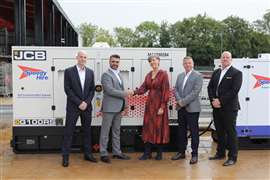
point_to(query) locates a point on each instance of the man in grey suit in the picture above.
(187, 89)
(113, 105)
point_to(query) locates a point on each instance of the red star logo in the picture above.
(25, 69)
(259, 79)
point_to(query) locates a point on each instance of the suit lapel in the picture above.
(77, 77)
(217, 76)
(115, 78)
(188, 80)
(228, 73)
(113, 75)
(87, 76)
(182, 77)
(122, 85)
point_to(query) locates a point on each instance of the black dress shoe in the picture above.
(216, 157)
(90, 157)
(105, 159)
(121, 156)
(229, 162)
(178, 156)
(145, 156)
(65, 161)
(193, 160)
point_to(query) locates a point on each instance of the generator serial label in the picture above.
(36, 122)
(160, 54)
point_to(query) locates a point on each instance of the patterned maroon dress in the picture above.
(155, 127)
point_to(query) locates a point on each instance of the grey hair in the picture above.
(153, 57)
(227, 52)
(81, 51)
(188, 57)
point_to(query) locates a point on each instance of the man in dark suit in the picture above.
(79, 87)
(223, 91)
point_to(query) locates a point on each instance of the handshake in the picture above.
(129, 92)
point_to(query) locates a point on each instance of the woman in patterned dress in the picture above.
(155, 131)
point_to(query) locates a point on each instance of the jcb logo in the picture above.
(28, 55)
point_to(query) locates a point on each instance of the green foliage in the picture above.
(201, 35)
(236, 35)
(165, 37)
(263, 25)
(87, 32)
(103, 35)
(147, 34)
(125, 37)
(204, 37)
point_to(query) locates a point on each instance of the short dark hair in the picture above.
(114, 56)
(153, 57)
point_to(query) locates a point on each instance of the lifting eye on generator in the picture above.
(98, 88)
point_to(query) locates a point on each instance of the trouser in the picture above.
(110, 120)
(225, 124)
(71, 120)
(185, 120)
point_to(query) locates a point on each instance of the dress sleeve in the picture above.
(165, 91)
(143, 88)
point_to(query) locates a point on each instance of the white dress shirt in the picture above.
(81, 75)
(116, 72)
(223, 72)
(186, 78)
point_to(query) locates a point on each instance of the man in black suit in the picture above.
(223, 91)
(79, 87)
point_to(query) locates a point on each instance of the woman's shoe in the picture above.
(159, 156)
(145, 156)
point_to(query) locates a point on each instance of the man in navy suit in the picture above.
(79, 87)
(223, 91)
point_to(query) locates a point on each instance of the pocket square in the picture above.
(228, 77)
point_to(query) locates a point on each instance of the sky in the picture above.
(130, 13)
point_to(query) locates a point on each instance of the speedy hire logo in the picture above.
(262, 81)
(37, 74)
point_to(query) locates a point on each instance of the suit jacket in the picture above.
(113, 93)
(73, 89)
(227, 90)
(189, 96)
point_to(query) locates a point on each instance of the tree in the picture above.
(204, 37)
(260, 43)
(264, 24)
(147, 34)
(201, 36)
(91, 34)
(236, 35)
(165, 38)
(103, 35)
(87, 32)
(125, 37)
